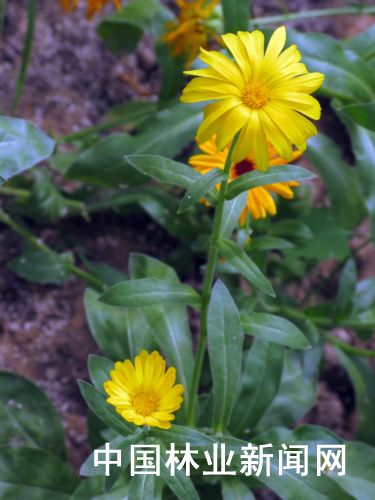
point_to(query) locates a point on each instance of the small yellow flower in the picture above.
(188, 33)
(144, 393)
(262, 94)
(259, 202)
(93, 6)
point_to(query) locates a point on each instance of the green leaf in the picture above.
(266, 243)
(149, 292)
(274, 329)
(329, 239)
(172, 73)
(180, 484)
(291, 485)
(166, 132)
(33, 473)
(99, 368)
(256, 178)
(165, 170)
(296, 229)
(172, 333)
(242, 262)
(142, 486)
(96, 401)
(297, 391)
(123, 30)
(120, 333)
(259, 384)
(22, 145)
(347, 285)
(131, 114)
(224, 339)
(363, 146)
(363, 43)
(119, 443)
(42, 267)
(236, 15)
(46, 201)
(181, 435)
(346, 75)
(200, 188)
(233, 488)
(27, 417)
(341, 181)
(361, 113)
(231, 214)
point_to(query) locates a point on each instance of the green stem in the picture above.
(3, 6)
(31, 15)
(91, 130)
(39, 245)
(368, 353)
(207, 285)
(74, 205)
(357, 10)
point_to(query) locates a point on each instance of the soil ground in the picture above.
(72, 81)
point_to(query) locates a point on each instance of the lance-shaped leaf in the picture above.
(179, 483)
(361, 113)
(233, 488)
(238, 258)
(22, 145)
(236, 15)
(120, 333)
(259, 384)
(164, 170)
(231, 214)
(167, 325)
(200, 188)
(256, 178)
(96, 401)
(274, 329)
(141, 486)
(340, 179)
(99, 368)
(42, 267)
(150, 292)
(225, 339)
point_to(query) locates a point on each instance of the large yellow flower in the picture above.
(144, 393)
(259, 202)
(93, 6)
(189, 32)
(263, 94)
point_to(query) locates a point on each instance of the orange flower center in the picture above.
(242, 167)
(144, 403)
(255, 95)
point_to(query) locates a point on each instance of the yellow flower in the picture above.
(263, 94)
(188, 33)
(144, 393)
(93, 6)
(259, 202)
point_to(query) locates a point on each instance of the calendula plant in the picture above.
(243, 376)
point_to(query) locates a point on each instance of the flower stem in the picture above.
(207, 285)
(294, 16)
(368, 353)
(31, 15)
(91, 279)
